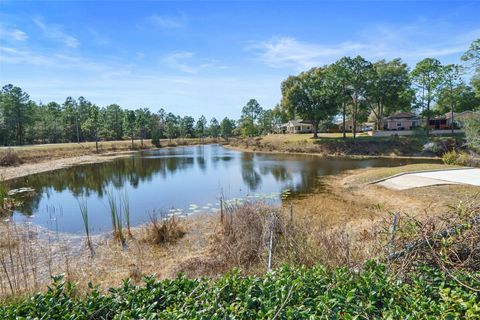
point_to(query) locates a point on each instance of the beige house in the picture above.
(296, 126)
(349, 126)
(401, 121)
(458, 117)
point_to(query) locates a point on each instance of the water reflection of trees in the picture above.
(98, 178)
(301, 174)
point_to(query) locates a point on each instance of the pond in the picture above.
(182, 180)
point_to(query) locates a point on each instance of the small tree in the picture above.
(312, 98)
(201, 127)
(226, 128)
(130, 123)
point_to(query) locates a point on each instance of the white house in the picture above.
(296, 126)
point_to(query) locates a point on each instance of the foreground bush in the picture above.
(286, 293)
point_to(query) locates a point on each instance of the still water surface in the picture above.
(183, 180)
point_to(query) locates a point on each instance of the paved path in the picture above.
(432, 178)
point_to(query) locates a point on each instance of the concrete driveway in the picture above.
(432, 178)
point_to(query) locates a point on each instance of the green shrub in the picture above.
(450, 157)
(460, 159)
(285, 293)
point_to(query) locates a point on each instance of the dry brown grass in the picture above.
(37, 153)
(340, 227)
(9, 157)
(243, 241)
(31, 255)
(163, 230)
(447, 241)
(332, 145)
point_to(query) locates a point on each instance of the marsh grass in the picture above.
(125, 204)
(115, 216)
(164, 229)
(9, 157)
(84, 212)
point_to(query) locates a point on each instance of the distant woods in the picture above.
(23, 121)
(352, 88)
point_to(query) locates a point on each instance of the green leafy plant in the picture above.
(372, 292)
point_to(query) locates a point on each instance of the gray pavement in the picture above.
(431, 178)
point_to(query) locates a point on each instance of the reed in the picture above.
(84, 212)
(112, 203)
(126, 211)
(116, 217)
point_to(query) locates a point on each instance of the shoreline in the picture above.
(355, 157)
(26, 169)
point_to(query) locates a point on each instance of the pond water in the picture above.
(183, 180)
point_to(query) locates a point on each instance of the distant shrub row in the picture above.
(286, 293)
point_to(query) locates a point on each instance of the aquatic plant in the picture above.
(116, 217)
(126, 210)
(82, 203)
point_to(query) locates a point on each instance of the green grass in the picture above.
(285, 293)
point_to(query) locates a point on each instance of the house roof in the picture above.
(298, 122)
(466, 113)
(402, 115)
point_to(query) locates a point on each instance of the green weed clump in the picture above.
(285, 293)
(454, 157)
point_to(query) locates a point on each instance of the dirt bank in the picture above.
(363, 146)
(8, 173)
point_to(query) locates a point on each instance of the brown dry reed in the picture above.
(164, 229)
(9, 157)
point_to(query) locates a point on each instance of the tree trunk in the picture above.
(132, 139)
(354, 120)
(453, 107)
(78, 131)
(344, 120)
(96, 140)
(315, 129)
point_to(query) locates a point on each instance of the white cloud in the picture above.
(182, 61)
(287, 51)
(410, 42)
(168, 22)
(54, 32)
(14, 34)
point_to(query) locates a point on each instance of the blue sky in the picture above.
(210, 58)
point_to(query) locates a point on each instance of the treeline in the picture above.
(362, 90)
(22, 121)
(352, 88)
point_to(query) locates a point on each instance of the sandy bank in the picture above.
(8, 173)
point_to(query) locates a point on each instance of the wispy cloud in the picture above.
(168, 22)
(288, 51)
(182, 61)
(55, 33)
(13, 34)
(410, 42)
